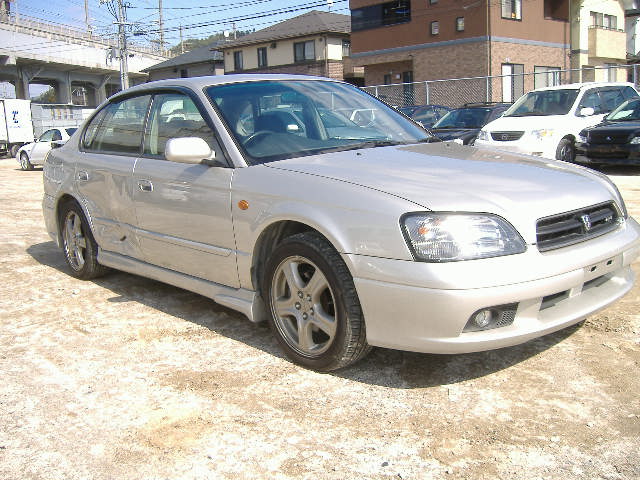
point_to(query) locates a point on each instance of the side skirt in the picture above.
(242, 300)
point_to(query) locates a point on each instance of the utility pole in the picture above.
(122, 44)
(181, 41)
(161, 25)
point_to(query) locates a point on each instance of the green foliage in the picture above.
(201, 42)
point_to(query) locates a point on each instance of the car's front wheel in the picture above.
(315, 311)
(566, 150)
(80, 248)
(25, 164)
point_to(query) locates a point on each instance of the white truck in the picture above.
(16, 127)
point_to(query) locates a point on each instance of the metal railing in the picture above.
(67, 32)
(454, 92)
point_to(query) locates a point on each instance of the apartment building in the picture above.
(402, 41)
(598, 40)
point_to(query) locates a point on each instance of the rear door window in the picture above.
(119, 128)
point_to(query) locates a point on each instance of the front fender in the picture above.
(355, 219)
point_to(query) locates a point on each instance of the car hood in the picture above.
(615, 127)
(451, 133)
(451, 177)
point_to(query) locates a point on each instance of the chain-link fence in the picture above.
(455, 92)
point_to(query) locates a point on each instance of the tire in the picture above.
(13, 150)
(566, 151)
(80, 248)
(309, 288)
(25, 164)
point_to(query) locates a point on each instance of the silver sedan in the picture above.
(235, 187)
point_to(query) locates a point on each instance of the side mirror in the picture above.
(587, 111)
(193, 150)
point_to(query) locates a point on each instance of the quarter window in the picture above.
(512, 9)
(118, 127)
(304, 51)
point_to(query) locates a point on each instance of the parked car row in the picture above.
(590, 123)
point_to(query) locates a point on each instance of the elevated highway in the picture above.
(82, 68)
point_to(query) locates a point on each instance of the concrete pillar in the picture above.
(63, 89)
(22, 85)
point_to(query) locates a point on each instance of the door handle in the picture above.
(145, 185)
(82, 176)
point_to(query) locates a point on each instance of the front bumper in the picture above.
(525, 145)
(429, 315)
(622, 154)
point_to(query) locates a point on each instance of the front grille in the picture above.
(506, 136)
(576, 226)
(608, 138)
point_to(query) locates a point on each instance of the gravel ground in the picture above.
(128, 378)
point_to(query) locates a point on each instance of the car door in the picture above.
(184, 210)
(110, 145)
(43, 145)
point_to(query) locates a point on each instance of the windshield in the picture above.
(626, 112)
(543, 102)
(464, 118)
(274, 120)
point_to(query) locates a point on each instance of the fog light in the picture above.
(493, 317)
(483, 318)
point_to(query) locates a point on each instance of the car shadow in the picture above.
(384, 367)
(623, 171)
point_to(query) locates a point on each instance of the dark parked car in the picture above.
(615, 141)
(427, 115)
(463, 124)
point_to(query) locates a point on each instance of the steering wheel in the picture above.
(255, 135)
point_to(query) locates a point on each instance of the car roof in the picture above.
(576, 86)
(198, 83)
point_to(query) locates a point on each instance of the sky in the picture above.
(198, 19)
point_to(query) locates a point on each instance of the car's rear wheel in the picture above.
(315, 311)
(80, 248)
(566, 150)
(25, 164)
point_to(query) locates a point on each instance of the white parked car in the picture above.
(546, 122)
(34, 153)
(379, 237)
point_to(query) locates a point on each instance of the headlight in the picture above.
(542, 133)
(635, 141)
(452, 237)
(483, 135)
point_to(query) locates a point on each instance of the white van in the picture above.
(545, 122)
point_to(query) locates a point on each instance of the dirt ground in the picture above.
(128, 378)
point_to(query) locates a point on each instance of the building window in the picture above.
(601, 20)
(512, 81)
(512, 9)
(546, 77)
(374, 16)
(237, 60)
(262, 57)
(346, 48)
(387, 79)
(460, 24)
(435, 28)
(431, 2)
(304, 51)
(184, 73)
